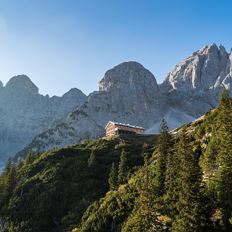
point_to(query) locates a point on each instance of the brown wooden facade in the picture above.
(114, 129)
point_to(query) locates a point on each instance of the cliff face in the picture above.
(195, 84)
(129, 93)
(24, 113)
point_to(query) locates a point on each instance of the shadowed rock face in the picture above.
(129, 93)
(24, 113)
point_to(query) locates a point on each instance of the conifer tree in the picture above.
(172, 182)
(224, 162)
(190, 211)
(144, 216)
(209, 160)
(11, 181)
(92, 158)
(8, 182)
(122, 168)
(224, 96)
(162, 152)
(113, 178)
(29, 158)
(8, 166)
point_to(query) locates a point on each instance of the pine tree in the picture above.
(162, 151)
(8, 182)
(209, 161)
(224, 162)
(11, 181)
(144, 216)
(122, 168)
(172, 185)
(224, 95)
(189, 205)
(29, 158)
(8, 166)
(113, 178)
(92, 158)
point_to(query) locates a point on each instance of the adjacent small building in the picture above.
(116, 128)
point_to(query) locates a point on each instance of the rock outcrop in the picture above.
(195, 84)
(129, 93)
(24, 113)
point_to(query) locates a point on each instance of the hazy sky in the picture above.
(61, 44)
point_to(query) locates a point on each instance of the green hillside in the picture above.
(51, 192)
(179, 182)
(185, 186)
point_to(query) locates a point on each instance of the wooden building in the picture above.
(115, 128)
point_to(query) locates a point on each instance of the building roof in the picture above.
(123, 124)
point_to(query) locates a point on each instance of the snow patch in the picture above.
(174, 118)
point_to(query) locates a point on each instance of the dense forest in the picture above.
(181, 183)
(186, 185)
(51, 191)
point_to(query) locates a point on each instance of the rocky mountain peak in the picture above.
(22, 83)
(128, 74)
(212, 49)
(223, 50)
(201, 71)
(230, 62)
(129, 93)
(74, 92)
(24, 112)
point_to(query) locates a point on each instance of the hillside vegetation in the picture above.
(182, 184)
(185, 186)
(50, 192)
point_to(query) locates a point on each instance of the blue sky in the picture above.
(62, 44)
